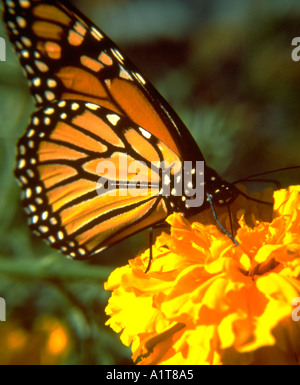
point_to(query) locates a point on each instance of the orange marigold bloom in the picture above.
(207, 301)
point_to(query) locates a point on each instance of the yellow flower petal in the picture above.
(205, 300)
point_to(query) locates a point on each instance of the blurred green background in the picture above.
(225, 66)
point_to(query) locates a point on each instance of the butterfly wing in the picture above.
(92, 103)
(66, 57)
(74, 167)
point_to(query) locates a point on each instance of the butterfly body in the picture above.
(94, 107)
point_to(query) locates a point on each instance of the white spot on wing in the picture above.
(97, 34)
(145, 133)
(92, 106)
(139, 78)
(113, 119)
(117, 54)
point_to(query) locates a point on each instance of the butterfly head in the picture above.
(221, 192)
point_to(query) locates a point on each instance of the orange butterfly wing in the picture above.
(94, 106)
(58, 165)
(66, 57)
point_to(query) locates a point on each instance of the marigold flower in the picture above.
(206, 301)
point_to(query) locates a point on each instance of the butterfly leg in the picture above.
(230, 220)
(219, 223)
(150, 247)
(156, 226)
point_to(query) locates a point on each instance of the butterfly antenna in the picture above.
(255, 200)
(251, 179)
(273, 181)
(248, 178)
(219, 223)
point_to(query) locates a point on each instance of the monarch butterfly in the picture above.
(93, 105)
